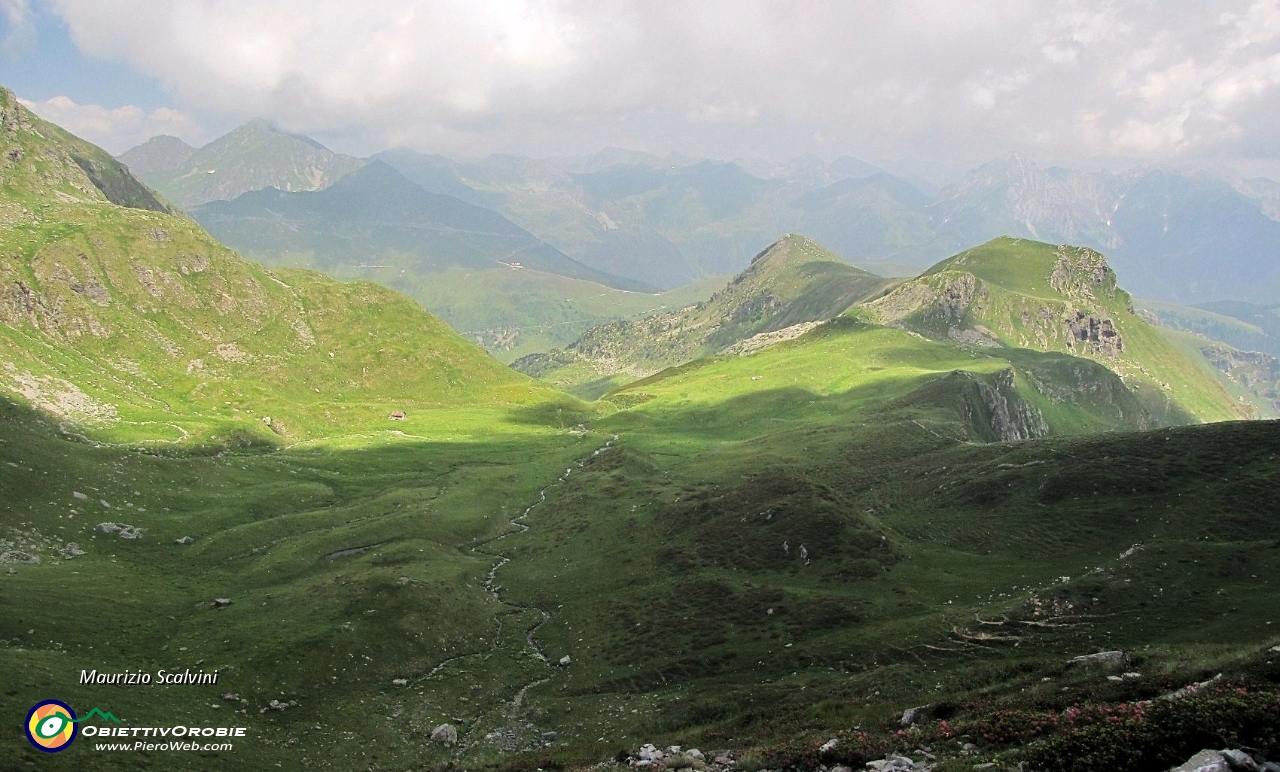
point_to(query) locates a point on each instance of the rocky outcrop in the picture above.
(1082, 273)
(1093, 335)
(1009, 415)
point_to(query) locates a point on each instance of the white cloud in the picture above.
(964, 80)
(20, 26)
(115, 129)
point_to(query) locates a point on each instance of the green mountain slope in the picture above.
(1026, 294)
(252, 157)
(789, 286)
(483, 274)
(136, 321)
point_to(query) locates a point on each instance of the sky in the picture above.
(1072, 82)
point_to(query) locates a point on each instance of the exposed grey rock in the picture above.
(910, 716)
(1240, 761)
(221, 602)
(1102, 660)
(829, 745)
(14, 556)
(277, 705)
(1204, 761)
(1012, 417)
(445, 733)
(565, 660)
(79, 495)
(183, 540)
(1189, 689)
(695, 754)
(72, 550)
(549, 737)
(648, 752)
(123, 530)
(399, 682)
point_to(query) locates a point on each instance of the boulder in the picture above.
(183, 540)
(445, 733)
(1240, 761)
(220, 602)
(648, 752)
(123, 530)
(912, 716)
(565, 660)
(1204, 761)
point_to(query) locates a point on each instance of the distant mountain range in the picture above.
(629, 220)
(1183, 236)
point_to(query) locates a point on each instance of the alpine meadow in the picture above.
(428, 454)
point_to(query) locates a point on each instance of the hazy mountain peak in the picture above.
(162, 154)
(253, 156)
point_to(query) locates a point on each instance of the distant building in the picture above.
(396, 415)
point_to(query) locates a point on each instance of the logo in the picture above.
(51, 725)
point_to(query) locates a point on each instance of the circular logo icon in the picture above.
(51, 726)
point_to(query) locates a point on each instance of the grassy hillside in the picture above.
(794, 282)
(136, 323)
(477, 270)
(1026, 294)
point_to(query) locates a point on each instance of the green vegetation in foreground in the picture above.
(347, 562)
(758, 551)
(789, 286)
(773, 590)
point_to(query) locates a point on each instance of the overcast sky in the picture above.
(1084, 82)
